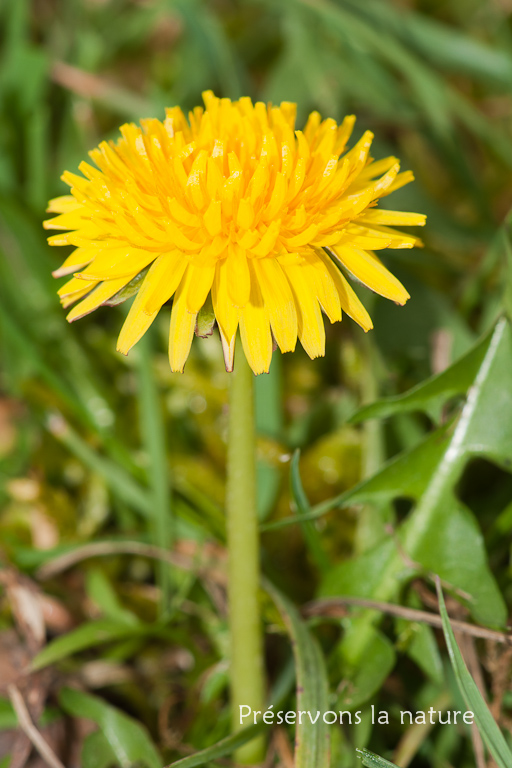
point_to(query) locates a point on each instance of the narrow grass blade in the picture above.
(310, 533)
(312, 739)
(223, 747)
(120, 483)
(487, 727)
(152, 427)
(374, 761)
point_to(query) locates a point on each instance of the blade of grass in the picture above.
(488, 728)
(152, 426)
(119, 481)
(312, 740)
(373, 761)
(310, 533)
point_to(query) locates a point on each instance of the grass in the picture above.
(91, 443)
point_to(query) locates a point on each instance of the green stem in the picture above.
(247, 671)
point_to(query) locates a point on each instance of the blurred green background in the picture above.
(84, 431)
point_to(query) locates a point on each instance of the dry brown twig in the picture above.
(108, 548)
(29, 729)
(336, 607)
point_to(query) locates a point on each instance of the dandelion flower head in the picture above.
(237, 217)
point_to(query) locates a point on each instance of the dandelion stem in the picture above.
(247, 680)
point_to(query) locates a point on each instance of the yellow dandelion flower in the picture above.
(240, 219)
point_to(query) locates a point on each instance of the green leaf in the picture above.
(454, 548)
(129, 741)
(430, 395)
(487, 727)
(311, 740)
(310, 533)
(364, 680)
(85, 636)
(446, 46)
(97, 752)
(101, 592)
(223, 747)
(359, 576)
(440, 535)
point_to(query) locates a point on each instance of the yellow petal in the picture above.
(76, 285)
(76, 260)
(371, 272)
(161, 281)
(72, 220)
(226, 313)
(63, 204)
(113, 263)
(255, 329)
(392, 218)
(322, 284)
(96, 298)
(310, 324)
(182, 328)
(135, 326)
(199, 281)
(279, 301)
(238, 276)
(348, 299)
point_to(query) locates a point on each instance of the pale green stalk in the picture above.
(247, 670)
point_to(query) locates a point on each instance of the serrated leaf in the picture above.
(430, 395)
(487, 727)
(440, 535)
(128, 740)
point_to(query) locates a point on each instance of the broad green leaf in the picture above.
(359, 576)
(487, 727)
(404, 476)
(439, 534)
(311, 740)
(431, 394)
(85, 636)
(129, 741)
(364, 680)
(454, 548)
(97, 752)
(418, 641)
(424, 650)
